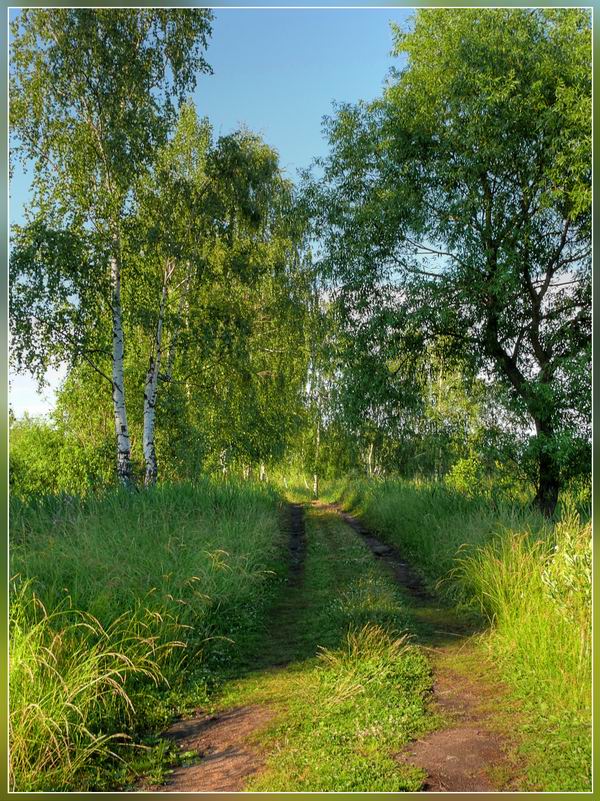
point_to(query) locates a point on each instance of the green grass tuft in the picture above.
(351, 713)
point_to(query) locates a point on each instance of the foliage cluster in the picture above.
(157, 262)
(451, 227)
(46, 458)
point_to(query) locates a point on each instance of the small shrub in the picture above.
(466, 475)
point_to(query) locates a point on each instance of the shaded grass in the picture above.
(530, 579)
(124, 610)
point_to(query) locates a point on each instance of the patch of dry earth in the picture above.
(226, 758)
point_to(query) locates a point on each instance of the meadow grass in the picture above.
(129, 608)
(530, 578)
(122, 607)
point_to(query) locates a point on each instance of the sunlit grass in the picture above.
(68, 682)
(349, 713)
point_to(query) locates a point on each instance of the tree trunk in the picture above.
(370, 460)
(317, 454)
(150, 421)
(548, 487)
(119, 408)
(262, 476)
(546, 497)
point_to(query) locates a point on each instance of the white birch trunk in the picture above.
(151, 389)
(149, 421)
(119, 407)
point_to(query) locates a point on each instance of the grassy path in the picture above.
(465, 754)
(336, 695)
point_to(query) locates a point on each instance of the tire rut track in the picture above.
(464, 755)
(225, 757)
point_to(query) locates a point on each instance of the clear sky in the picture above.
(278, 72)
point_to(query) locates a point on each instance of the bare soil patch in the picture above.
(226, 758)
(296, 542)
(467, 756)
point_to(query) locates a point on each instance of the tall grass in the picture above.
(68, 678)
(530, 578)
(111, 597)
(431, 522)
(539, 605)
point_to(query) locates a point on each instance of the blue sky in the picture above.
(277, 72)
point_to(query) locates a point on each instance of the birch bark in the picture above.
(317, 453)
(119, 407)
(370, 460)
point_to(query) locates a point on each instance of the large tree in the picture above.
(463, 198)
(218, 239)
(93, 93)
(214, 308)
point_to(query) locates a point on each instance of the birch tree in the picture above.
(216, 227)
(93, 94)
